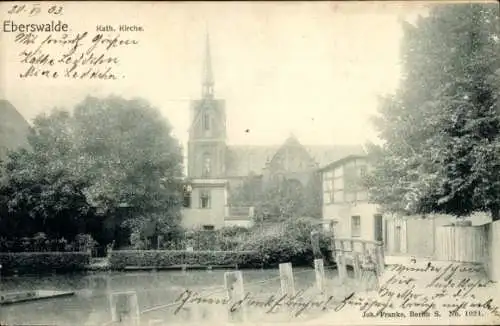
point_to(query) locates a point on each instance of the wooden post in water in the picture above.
(108, 283)
(286, 276)
(356, 266)
(379, 251)
(125, 308)
(341, 266)
(315, 244)
(233, 282)
(319, 270)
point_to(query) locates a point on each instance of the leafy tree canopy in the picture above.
(441, 150)
(109, 153)
(280, 198)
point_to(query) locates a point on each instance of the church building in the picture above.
(215, 168)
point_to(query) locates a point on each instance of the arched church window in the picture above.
(207, 165)
(206, 121)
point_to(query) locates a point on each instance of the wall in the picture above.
(341, 213)
(212, 141)
(216, 151)
(418, 235)
(196, 217)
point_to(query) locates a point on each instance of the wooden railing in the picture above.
(362, 255)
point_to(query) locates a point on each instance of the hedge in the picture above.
(43, 262)
(289, 242)
(120, 259)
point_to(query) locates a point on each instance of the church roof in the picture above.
(243, 160)
(246, 159)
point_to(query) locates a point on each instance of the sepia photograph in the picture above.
(249, 163)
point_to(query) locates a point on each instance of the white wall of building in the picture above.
(197, 217)
(342, 214)
(345, 197)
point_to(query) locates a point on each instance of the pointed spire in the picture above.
(208, 77)
(292, 140)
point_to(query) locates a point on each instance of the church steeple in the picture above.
(207, 134)
(208, 77)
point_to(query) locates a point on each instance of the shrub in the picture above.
(287, 242)
(233, 231)
(120, 259)
(43, 262)
(224, 239)
(85, 242)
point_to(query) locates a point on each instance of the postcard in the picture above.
(309, 163)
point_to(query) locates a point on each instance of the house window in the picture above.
(350, 179)
(362, 171)
(327, 191)
(204, 199)
(353, 178)
(206, 121)
(344, 184)
(338, 185)
(328, 187)
(355, 226)
(208, 227)
(187, 197)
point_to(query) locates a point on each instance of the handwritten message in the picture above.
(52, 50)
(297, 303)
(449, 291)
(434, 292)
(79, 56)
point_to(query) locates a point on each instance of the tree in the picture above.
(41, 194)
(441, 130)
(284, 198)
(248, 193)
(118, 154)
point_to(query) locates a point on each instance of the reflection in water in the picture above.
(91, 304)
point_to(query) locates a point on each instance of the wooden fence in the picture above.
(461, 243)
(492, 259)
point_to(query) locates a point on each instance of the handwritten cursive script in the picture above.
(431, 290)
(272, 303)
(451, 290)
(73, 56)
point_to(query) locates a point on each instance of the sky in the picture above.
(314, 69)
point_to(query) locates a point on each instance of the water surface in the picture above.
(91, 304)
